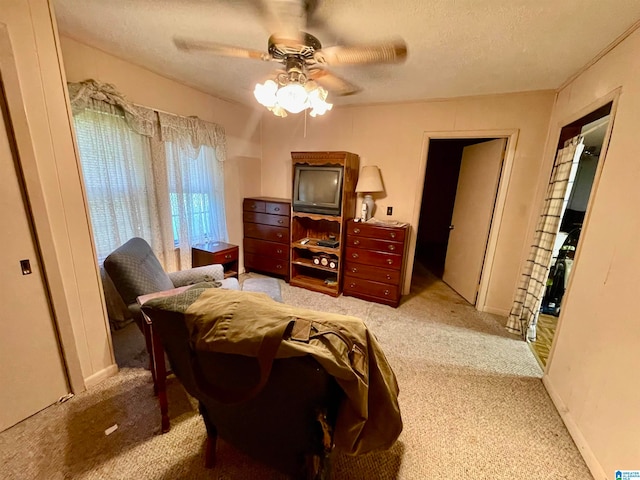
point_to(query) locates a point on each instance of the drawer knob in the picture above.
(356, 242)
(387, 292)
(356, 230)
(279, 235)
(389, 261)
(355, 255)
(388, 277)
(352, 285)
(227, 256)
(254, 206)
(279, 250)
(392, 247)
(393, 234)
(354, 270)
(279, 267)
(277, 209)
(280, 222)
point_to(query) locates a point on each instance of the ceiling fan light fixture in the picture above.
(265, 93)
(278, 111)
(317, 101)
(292, 97)
(320, 109)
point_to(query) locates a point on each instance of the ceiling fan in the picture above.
(304, 61)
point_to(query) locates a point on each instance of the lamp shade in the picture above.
(369, 180)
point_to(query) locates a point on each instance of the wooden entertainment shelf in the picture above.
(315, 267)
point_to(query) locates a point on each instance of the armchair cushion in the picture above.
(206, 273)
(135, 270)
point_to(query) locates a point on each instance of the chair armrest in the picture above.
(198, 274)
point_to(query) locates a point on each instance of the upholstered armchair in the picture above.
(288, 425)
(135, 270)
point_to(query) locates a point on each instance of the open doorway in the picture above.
(460, 188)
(586, 163)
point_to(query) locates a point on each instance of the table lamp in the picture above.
(369, 182)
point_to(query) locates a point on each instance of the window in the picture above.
(117, 177)
(196, 207)
(129, 196)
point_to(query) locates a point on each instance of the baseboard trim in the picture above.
(496, 311)
(96, 378)
(585, 450)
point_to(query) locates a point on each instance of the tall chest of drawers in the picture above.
(375, 262)
(266, 235)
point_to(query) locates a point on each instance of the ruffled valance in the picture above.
(174, 128)
(104, 97)
(93, 94)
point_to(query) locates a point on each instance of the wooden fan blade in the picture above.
(191, 45)
(333, 83)
(285, 18)
(394, 52)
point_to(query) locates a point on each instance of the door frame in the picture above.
(612, 97)
(501, 195)
(43, 230)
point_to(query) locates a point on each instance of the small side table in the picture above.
(212, 253)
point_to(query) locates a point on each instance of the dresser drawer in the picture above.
(376, 231)
(266, 219)
(357, 286)
(266, 264)
(222, 257)
(374, 244)
(267, 232)
(249, 205)
(368, 272)
(270, 249)
(378, 259)
(277, 208)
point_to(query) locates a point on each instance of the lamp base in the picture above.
(367, 207)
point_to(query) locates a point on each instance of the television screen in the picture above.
(317, 189)
(318, 186)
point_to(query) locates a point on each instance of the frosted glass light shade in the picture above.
(292, 97)
(369, 180)
(266, 93)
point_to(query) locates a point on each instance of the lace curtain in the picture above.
(120, 192)
(94, 95)
(194, 151)
(194, 131)
(148, 174)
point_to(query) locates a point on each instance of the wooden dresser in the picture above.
(375, 262)
(266, 235)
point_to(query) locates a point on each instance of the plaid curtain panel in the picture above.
(526, 306)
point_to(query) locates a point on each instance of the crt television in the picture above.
(317, 189)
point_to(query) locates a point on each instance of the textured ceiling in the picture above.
(456, 48)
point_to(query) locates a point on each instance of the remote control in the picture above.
(304, 241)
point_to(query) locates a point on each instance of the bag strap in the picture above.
(266, 354)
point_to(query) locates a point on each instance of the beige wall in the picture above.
(39, 114)
(593, 370)
(141, 86)
(391, 136)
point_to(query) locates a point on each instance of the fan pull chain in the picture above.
(305, 122)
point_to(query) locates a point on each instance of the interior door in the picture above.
(472, 214)
(32, 374)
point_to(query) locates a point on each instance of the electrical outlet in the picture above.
(389, 210)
